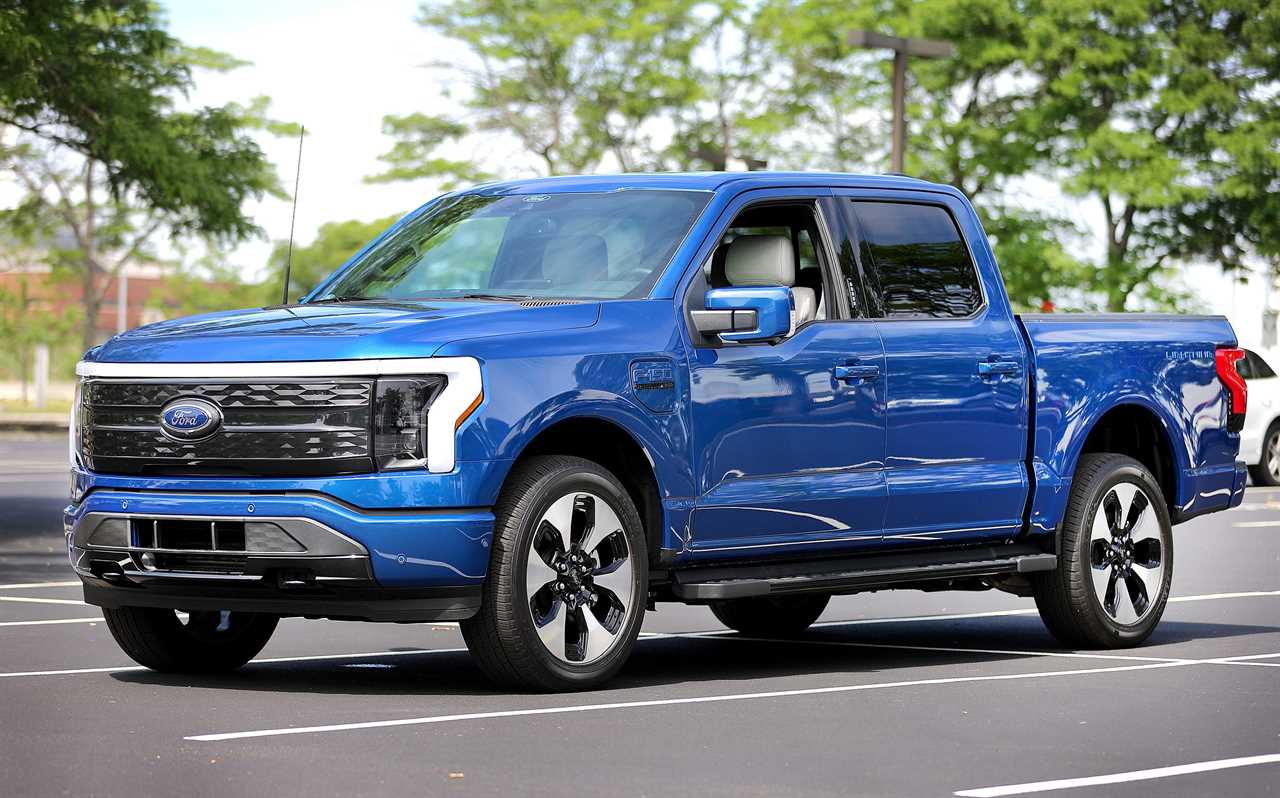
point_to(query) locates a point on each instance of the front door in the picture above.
(956, 371)
(789, 436)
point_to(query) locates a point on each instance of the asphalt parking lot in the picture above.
(897, 693)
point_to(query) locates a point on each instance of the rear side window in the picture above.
(920, 260)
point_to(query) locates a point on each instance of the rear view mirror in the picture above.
(745, 313)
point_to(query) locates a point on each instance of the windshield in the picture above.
(608, 245)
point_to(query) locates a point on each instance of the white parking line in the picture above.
(23, 585)
(35, 600)
(1120, 778)
(730, 635)
(52, 621)
(1216, 596)
(266, 661)
(663, 702)
(1255, 524)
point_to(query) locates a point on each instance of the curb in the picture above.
(34, 422)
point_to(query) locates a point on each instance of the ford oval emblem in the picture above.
(190, 419)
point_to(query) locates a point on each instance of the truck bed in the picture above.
(1148, 366)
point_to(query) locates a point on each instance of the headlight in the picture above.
(400, 412)
(73, 441)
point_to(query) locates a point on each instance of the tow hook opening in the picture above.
(295, 579)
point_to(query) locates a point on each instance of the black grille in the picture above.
(298, 428)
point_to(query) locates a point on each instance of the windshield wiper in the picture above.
(335, 299)
(506, 297)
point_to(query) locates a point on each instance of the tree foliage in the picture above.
(1162, 112)
(334, 244)
(102, 78)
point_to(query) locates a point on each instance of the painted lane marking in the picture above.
(1120, 778)
(960, 616)
(35, 600)
(661, 702)
(1250, 659)
(24, 585)
(1215, 596)
(730, 635)
(53, 621)
(267, 661)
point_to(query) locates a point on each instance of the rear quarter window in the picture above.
(919, 259)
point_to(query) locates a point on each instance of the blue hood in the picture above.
(349, 331)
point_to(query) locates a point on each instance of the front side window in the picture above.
(923, 266)
(604, 245)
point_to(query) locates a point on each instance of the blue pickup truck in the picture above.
(540, 407)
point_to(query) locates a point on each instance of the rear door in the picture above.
(956, 370)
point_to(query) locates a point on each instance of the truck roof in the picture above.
(698, 181)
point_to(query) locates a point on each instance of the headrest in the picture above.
(760, 260)
(574, 259)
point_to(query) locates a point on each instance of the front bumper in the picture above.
(403, 565)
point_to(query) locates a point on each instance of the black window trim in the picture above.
(871, 273)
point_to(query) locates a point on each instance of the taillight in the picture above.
(1226, 358)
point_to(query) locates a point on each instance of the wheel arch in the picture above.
(615, 447)
(1138, 430)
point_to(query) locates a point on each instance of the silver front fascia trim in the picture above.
(464, 388)
(297, 526)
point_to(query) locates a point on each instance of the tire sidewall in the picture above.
(1264, 468)
(548, 491)
(1128, 472)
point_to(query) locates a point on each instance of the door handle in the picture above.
(854, 373)
(995, 368)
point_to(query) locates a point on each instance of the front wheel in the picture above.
(1115, 560)
(196, 642)
(568, 578)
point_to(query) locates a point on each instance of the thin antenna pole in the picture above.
(293, 216)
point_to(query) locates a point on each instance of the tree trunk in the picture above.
(91, 303)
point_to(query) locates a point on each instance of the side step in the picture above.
(854, 574)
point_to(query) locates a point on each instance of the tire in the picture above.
(1267, 471)
(208, 642)
(770, 616)
(1115, 559)
(566, 620)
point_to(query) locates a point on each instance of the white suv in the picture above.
(1260, 438)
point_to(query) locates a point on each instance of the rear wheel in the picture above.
(1267, 472)
(770, 616)
(568, 578)
(197, 642)
(1115, 560)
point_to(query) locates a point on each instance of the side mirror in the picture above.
(746, 313)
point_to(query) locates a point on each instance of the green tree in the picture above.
(414, 155)
(209, 284)
(570, 81)
(95, 230)
(1165, 115)
(820, 90)
(101, 78)
(25, 322)
(334, 244)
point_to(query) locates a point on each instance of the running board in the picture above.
(854, 574)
